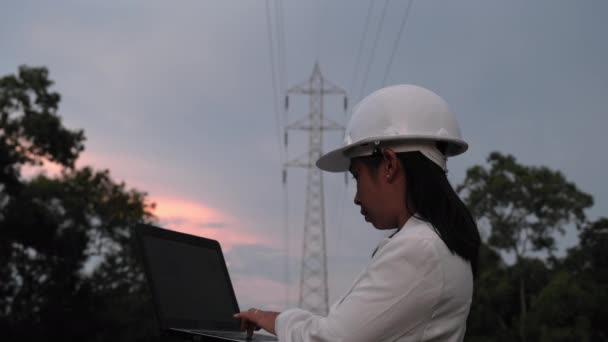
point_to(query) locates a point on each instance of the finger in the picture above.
(243, 324)
(250, 330)
(243, 319)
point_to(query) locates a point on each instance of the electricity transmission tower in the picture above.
(313, 279)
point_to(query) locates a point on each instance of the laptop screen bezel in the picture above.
(142, 230)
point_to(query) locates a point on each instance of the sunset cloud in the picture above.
(197, 219)
(48, 168)
(173, 210)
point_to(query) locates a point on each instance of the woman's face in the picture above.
(372, 195)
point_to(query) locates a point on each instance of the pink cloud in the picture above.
(49, 168)
(116, 164)
(197, 219)
(173, 210)
(121, 167)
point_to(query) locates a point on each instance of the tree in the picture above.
(563, 310)
(523, 207)
(585, 285)
(591, 254)
(30, 129)
(493, 300)
(53, 230)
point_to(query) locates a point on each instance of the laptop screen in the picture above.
(190, 282)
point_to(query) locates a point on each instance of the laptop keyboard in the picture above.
(238, 335)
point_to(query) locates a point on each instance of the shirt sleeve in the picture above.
(394, 299)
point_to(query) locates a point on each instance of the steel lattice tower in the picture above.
(313, 294)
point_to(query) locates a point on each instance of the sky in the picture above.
(176, 99)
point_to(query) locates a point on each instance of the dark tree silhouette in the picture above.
(524, 208)
(69, 268)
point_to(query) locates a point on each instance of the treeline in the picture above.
(53, 230)
(522, 209)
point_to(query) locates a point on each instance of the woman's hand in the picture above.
(254, 319)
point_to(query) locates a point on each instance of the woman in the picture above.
(419, 282)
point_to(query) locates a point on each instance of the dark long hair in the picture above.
(431, 198)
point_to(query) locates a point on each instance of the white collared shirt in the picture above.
(413, 289)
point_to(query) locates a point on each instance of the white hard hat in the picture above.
(403, 117)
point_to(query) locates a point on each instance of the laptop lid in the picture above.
(189, 280)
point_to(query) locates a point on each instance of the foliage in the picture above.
(550, 299)
(524, 205)
(69, 269)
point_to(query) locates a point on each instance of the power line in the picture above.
(396, 44)
(361, 43)
(281, 45)
(286, 237)
(279, 124)
(273, 77)
(369, 64)
(281, 79)
(318, 30)
(282, 86)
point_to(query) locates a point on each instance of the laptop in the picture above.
(190, 285)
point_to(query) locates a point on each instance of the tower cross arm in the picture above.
(306, 88)
(301, 161)
(305, 124)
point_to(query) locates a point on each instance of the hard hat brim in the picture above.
(338, 160)
(335, 161)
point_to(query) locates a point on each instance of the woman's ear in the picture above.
(390, 164)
